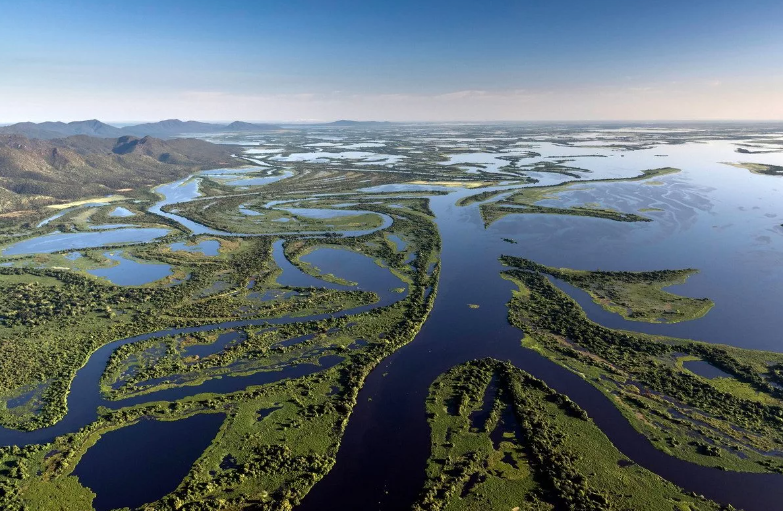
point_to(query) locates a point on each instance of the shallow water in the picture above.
(130, 272)
(206, 247)
(101, 227)
(122, 212)
(79, 240)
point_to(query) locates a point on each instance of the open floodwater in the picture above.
(723, 221)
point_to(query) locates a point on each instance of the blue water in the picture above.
(183, 190)
(135, 452)
(206, 247)
(129, 272)
(705, 369)
(110, 226)
(78, 240)
(719, 219)
(122, 212)
(399, 242)
(323, 214)
(351, 265)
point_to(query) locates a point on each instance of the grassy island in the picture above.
(502, 439)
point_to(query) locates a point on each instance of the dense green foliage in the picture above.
(729, 422)
(635, 295)
(502, 439)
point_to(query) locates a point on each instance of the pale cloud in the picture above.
(462, 94)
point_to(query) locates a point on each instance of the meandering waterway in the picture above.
(380, 464)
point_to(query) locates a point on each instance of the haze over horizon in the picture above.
(305, 61)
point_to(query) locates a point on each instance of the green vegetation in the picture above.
(224, 214)
(479, 197)
(637, 296)
(760, 168)
(502, 439)
(733, 423)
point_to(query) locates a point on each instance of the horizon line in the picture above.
(122, 123)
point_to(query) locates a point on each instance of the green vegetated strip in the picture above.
(479, 197)
(637, 296)
(760, 168)
(494, 212)
(278, 439)
(502, 439)
(732, 423)
(525, 200)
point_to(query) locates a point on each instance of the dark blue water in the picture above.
(146, 461)
(724, 214)
(348, 265)
(705, 369)
(387, 441)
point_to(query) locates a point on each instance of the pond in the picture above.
(130, 272)
(121, 212)
(206, 247)
(705, 369)
(143, 462)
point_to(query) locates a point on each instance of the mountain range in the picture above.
(36, 172)
(170, 128)
(164, 129)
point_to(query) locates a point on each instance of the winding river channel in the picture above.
(380, 464)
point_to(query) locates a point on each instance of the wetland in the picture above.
(406, 317)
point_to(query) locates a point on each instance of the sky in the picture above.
(403, 60)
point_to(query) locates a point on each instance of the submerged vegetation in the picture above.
(526, 200)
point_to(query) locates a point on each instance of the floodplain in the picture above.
(406, 317)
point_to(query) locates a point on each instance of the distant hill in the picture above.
(172, 128)
(48, 130)
(35, 172)
(164, 129)
(246, 126)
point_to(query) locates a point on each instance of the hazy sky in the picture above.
(291, 60)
